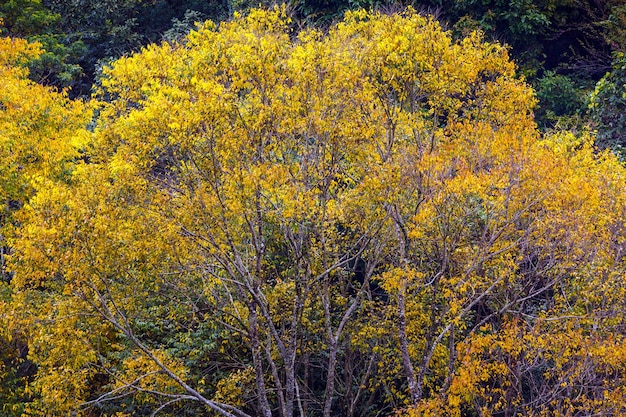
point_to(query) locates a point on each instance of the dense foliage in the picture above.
(574, 38)
(608, 107)
(40, 134)
(259, 221)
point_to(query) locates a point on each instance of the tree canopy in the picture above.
(258, 221)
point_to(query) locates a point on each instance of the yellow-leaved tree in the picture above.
(41, 137)
(341, 223)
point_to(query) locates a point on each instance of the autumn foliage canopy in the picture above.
(260, 221)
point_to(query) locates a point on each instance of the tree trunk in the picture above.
(415, 388)
(264, 406)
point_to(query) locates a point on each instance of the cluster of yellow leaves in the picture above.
(235, 387)
(40, 129)
(535, 370)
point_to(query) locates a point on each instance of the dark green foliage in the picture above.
(559, 96)
(616, 28)
(30, 19)
(112, 28)
(512, 19)
(181, 27)
(58, 65)
(607, 107)
(24, 18)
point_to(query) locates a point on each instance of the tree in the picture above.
(40, 136)
(38, 130)
(277, 223)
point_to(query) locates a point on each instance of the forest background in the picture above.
(312, 210)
